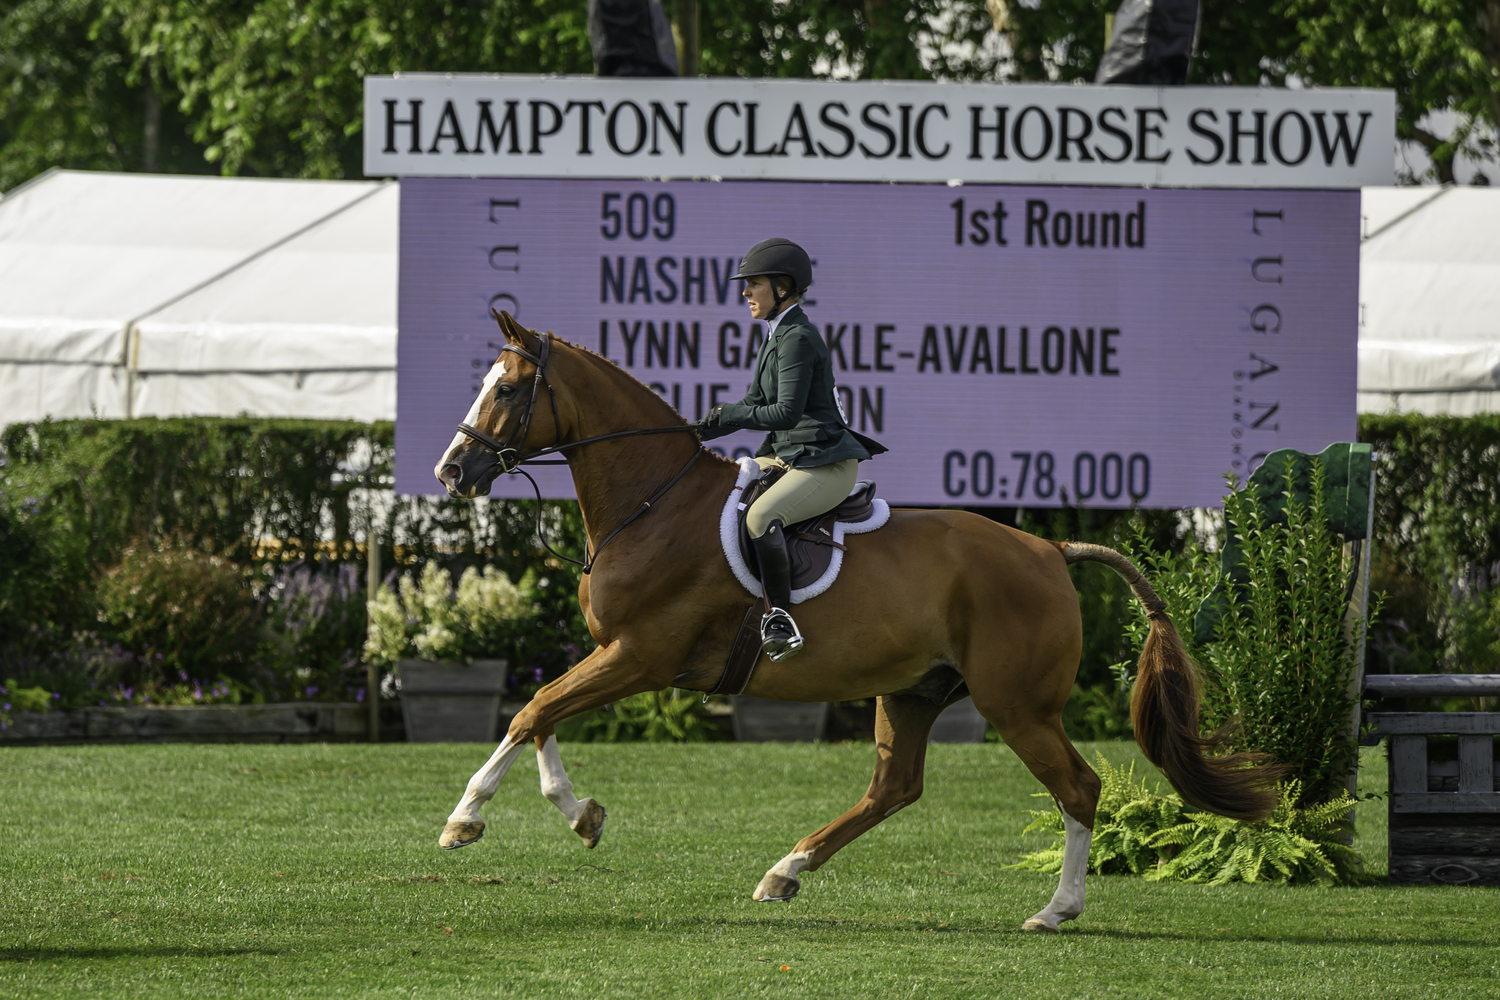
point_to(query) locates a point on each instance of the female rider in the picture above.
(792, 396)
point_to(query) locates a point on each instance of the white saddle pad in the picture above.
(729, 526)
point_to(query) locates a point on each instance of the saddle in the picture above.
(810, 543)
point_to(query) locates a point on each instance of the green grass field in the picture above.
(313, 871)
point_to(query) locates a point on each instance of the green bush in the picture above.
(183, 614)
(670, 716)
(1280, 670)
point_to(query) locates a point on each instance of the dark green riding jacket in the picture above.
(792, 396)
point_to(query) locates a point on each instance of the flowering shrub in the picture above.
(428, 618)
(314, 632)
(185, 692)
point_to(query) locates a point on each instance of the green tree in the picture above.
(74, 94)
(275, 87)
(1436, 55)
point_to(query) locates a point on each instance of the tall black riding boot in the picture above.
(779, 636)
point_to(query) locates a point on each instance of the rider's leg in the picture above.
(796, 496)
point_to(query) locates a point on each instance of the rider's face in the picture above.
(760, 296)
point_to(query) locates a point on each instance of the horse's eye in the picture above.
(505, 390)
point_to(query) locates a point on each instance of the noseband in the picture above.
(509, 459)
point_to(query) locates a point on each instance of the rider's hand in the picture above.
(712, 424)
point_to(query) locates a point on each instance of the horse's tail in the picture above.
(1164, 711)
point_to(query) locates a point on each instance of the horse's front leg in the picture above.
(607, 674)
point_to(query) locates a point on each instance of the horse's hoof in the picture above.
(590, 823)
(776, 888)
(456, 835)
(1039, 923)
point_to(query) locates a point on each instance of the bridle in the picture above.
(508, 452)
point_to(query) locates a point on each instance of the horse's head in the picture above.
(507, 410)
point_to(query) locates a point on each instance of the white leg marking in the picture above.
(486, 782)
(555, 784)
(782, 881)
(1067, 901)
(496, 372)
(792, 865)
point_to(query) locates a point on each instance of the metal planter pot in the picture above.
(766, 720)
(451, 702)
(959, 723)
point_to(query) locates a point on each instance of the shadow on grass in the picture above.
(841, 927)
(1308, 939)
(27, 955)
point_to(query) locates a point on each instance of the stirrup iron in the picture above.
(779, 635)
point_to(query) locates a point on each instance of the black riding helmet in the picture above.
(777, 256)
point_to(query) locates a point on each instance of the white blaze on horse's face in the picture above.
(495, 374)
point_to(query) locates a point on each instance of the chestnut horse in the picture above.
(936, 605)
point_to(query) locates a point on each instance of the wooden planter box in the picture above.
(959, 723)
(285, 722)
(766, 720)
(451, 702)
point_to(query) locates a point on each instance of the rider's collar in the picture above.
(776, 321)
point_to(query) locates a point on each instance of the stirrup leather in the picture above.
(779, 635)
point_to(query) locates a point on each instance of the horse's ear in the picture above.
(514, 332)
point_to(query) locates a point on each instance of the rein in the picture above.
(510, 461)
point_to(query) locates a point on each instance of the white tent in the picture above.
(1429, 292)
(141, 295)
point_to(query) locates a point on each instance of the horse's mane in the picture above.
(612, 367)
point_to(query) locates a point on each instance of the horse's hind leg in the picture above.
(1045, 749)
(586, 817)
(902, 723)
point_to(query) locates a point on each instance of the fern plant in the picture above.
(1128, 817)
(1140, 831)
(1295, 844)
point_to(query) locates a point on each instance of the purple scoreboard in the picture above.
(1009, 344)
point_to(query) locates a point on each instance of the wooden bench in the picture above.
(1444, 814)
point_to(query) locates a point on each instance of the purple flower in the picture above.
(6, 706)
(312, 689)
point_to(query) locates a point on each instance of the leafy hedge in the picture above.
(273, 495)
(1437, 538)
(289, 503)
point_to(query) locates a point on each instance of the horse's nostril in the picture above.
(449, 474)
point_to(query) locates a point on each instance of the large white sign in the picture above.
(434, 125)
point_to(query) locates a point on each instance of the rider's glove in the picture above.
(708, 426)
